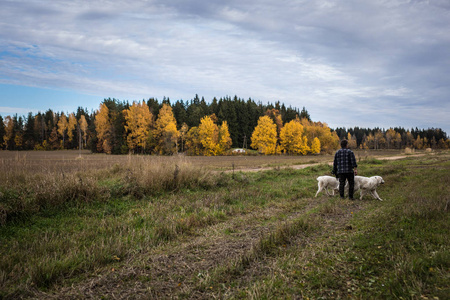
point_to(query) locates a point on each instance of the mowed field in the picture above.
(79, 225)
(73, 160)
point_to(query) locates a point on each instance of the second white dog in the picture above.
(327, 182)
(367, 185)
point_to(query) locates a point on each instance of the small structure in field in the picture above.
(239, 151)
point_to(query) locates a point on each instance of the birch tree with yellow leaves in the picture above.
(138, 126)
(315, 146)
(329, 141)
(264, 137)
(193, 143)
(224, 138)
(166, 133)
(352, 144)
(62, 128)
(82, 123)
(8, 138)
(293, 139)
(209, 139)
(208, 134)
(103, 128)
(71, 125)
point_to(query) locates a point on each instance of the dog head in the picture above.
(379, 180)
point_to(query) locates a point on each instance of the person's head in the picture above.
(344, 143)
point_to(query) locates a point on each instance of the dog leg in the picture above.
(375, 194)
(362, 193)
(319, 190)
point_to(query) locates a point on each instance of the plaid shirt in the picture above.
(344, 161)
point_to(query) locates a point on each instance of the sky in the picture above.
(371, 63)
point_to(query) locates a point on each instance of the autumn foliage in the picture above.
(264, 137)
(138, 125)
(199, 128)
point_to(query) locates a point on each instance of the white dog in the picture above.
(326, 182)
(367, 185)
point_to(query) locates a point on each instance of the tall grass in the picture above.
(25, 193)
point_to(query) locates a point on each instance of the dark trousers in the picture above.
(350, 177)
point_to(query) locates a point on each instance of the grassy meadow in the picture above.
(79, 225)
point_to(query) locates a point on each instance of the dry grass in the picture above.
(30, 183)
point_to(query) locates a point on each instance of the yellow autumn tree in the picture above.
(398, 140)
(329, 141)
(292, 138)
(71, 125)
(62, 128)
(183, 133)
(225, 141)
(193, 143)
(138, 120)
(369, 141)
(166, 133)
(103, 128)
(315, 146)
(82, 123)
(264, 137)
(379, 139)
(9, 132)
(418, 143)
(352, 143)
(209, 135)
(275, 115)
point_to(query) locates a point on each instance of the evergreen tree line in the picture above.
(57, 130)
(395, 138)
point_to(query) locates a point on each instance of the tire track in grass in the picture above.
(183, 267)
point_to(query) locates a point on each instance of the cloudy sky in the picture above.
(371, 63)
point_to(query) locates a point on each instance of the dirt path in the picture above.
(303, 166)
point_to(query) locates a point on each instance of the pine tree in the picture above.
(29, 134)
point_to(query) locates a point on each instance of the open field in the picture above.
(73, 160)
(136, 227)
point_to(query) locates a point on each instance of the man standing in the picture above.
(344, 167)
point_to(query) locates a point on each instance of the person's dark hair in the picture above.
(344, 143)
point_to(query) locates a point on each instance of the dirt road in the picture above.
(303, 166)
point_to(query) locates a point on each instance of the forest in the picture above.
(198, 127)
